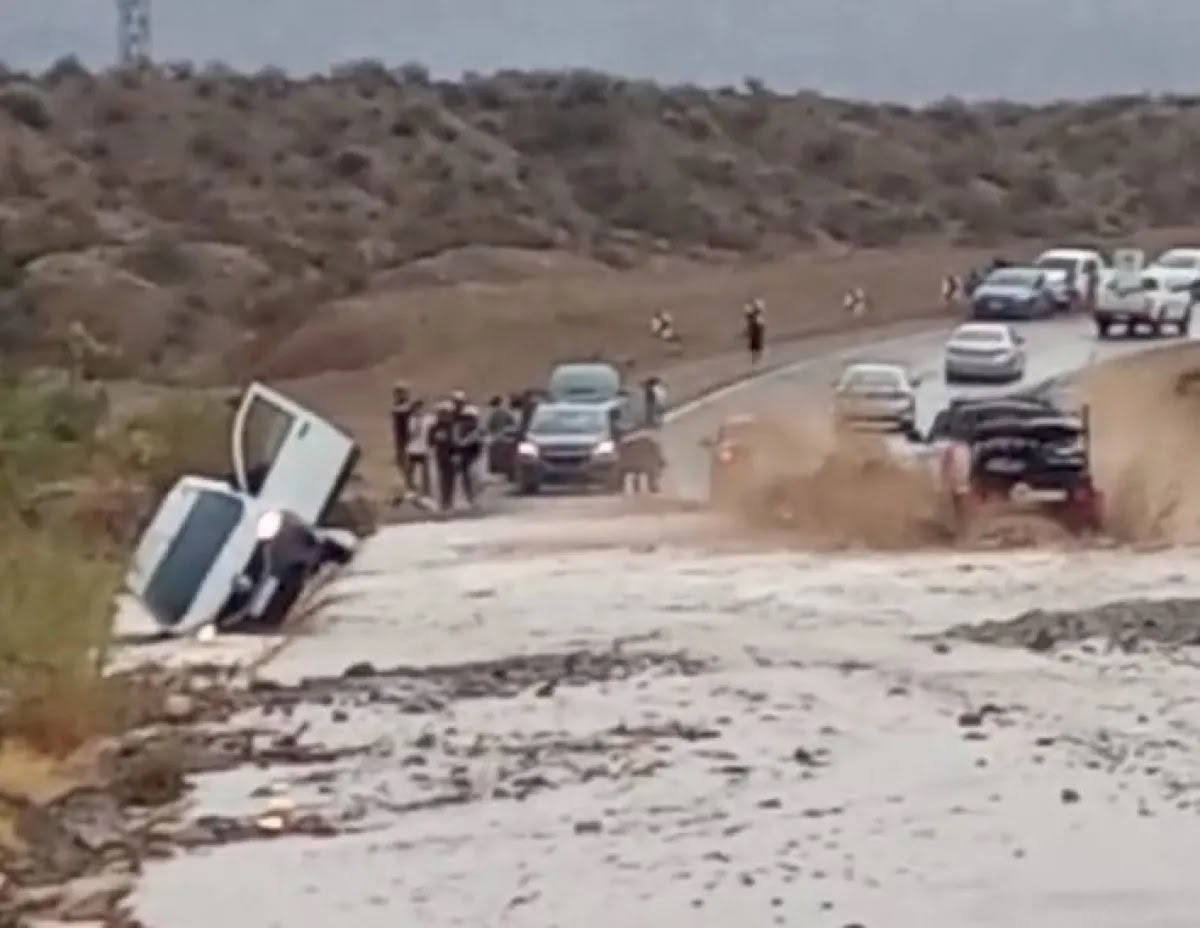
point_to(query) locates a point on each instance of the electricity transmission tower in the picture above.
(133, 32)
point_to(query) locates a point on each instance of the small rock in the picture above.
(1069, 796)
(93, 897)
(546, 689)
(940, 647)
(805, 757)
(589, 827)
(425, 740)
(359, 670)
(970, 719)
(339, 715)
(1041, 641)
(179, 708)
(771, 804)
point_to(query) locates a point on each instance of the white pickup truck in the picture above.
(1150, 298)
(1066, 270)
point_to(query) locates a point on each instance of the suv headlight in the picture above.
(269, 525)
(527, 449)
(605, 449)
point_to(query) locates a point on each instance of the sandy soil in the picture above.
(756, 734)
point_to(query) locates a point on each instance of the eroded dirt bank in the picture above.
(604, 726)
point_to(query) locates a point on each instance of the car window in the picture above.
(864, 380)
(1057, 264)
(189, 557)
(1177, 260)
(980, 336)
(1149, 284)
(266, 428)
(557, 420)
(1011, 277)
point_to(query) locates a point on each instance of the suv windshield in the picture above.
(178, 577)
(1056, 264)
(559, 420)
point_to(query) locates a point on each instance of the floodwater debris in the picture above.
(1124, 624)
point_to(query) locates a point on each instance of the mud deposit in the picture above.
(661, 735)
(1126, 625)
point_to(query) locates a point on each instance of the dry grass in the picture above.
(62, 552)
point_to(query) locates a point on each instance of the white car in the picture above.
(238, 552)
(1152, 299)
(985, 351)
(1066, 270)
(877, 394)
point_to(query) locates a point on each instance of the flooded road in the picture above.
(572, 721)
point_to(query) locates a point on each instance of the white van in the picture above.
(238, 552)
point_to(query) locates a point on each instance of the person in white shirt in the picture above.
(418, 449)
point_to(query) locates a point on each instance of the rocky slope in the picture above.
(211, 206)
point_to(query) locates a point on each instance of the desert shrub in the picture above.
(352, 163)
(27, 106)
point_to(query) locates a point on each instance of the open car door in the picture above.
(288, 456)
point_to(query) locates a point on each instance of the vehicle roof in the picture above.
(880, 366)
(573, 405)
(1180, 249)
(993, 327)
(1070, 252)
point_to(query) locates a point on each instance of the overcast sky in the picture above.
(895, 49)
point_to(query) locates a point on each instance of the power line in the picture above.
(133, 32)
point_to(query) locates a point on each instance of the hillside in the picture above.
(180, 214)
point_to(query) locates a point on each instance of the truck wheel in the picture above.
(528, 487)
(1185, 324)
(1102, 328)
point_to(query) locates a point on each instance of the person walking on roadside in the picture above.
(440, 439)
(755, 320)
(418, 476)
(654, 396)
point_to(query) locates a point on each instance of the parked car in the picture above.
(1176, 268)
(1066, 271)
(238, 552)
(1014, 293)
(987, 351)
(572, 444)
(877, 394)
(1145, 302)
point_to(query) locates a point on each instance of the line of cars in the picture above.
(1130, 295)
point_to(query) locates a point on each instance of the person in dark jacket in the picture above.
(468, 442)
(401, 414)
(755, 319)
(442, 450)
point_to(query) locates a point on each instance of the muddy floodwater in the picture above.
(581, 722)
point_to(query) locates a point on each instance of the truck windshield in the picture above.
(184, 568)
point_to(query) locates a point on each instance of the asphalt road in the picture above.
(1055, 348)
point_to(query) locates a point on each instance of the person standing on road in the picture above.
(418, 476)
(1091, 286)
(401, 414)
(500, 419)
(440, 439)
(755, 318)
(468, 442)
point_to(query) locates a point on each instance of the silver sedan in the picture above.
(985, 351)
